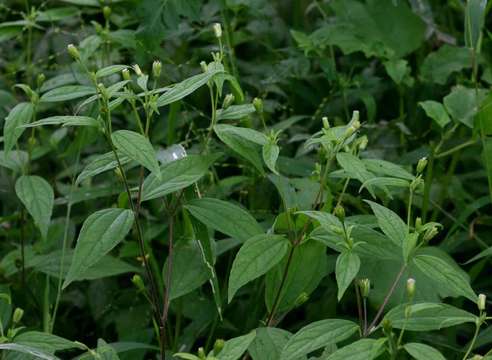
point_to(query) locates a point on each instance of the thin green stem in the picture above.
(472, 344)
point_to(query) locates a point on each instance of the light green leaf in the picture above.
(177, 175)
(68, 92)
(21, 114)
(440, 64)
(137, 147)
(65, 121)
(110, 70)
(423, 352)
(14, 160)
(474, 21)
(354, 167)
(100, 164)
(397, 69)
(44, 341)
(317, 335)
(385, 168)
(235, 112)
(269, 343)
(428, 316)
(436, 111)
(100, 233)
(57, 14)
(257, 255)
(37, 196)
(225, 217)
(461, 103)
(270, 153)
(390, 223)
(244, 133)
(234, 348)
(447, 276)
(28, 350)
(347, 267)
(364, 349)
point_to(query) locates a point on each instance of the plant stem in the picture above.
(472, 344)
(168, 277)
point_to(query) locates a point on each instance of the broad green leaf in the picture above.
(317, 335)
(189, 270)
(385, 168)
(256, 256)
(423, 352)
(37, 354)
(20, 115)
(65, 121)
(225, 217)
(235, 112)
(14, 160)
(186, 87)
(347, 267)
(440, 64)
(268, 344)
(448, 277)
(390, 223)
(68, 92)
(309, 265)
(354, 167)
(57, 14)
(177, 175)
(474, 21)
(270, 153)
(137, 147)
(462, 104)
(37, 196)
(397, 69)
(364, 349)
(110, 70)
(44, 341)
(428, 316)
(436, 111)
(100, 233)
(100, 164)
(235, 348)
(251, 135)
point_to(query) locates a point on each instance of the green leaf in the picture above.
(21, 114)
(137, 147)
(397, 69)
(225, 217)
(364, 349)
(37, 196)
(189, 270)
(44, 341)
(390, 223)
(57, 14)
(65, 121)
(317, 335)
(100, 164)
(447, 276)
(235, 112)
(423, 352)
(462, 104)
(14, 160)
(428, 316)
(110, 70)
(186, 87)
(100, 233)
(440, 64)
(28, 350)
(385, 168)
(234, 348)
(309, 265)
(270, 153)
(474, 21)
(177, 175)
(347, 267)
(268, 343)
(257, 255)
(68, 92)
(354, 167)
(436, 111)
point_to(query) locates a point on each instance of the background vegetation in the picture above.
(295, 179)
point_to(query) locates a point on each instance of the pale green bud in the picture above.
(431, 233)
(326, 124)
(156, 68)
(418, 224)
(228, 100)
(411, 288)
(421, 165)
(201, 353)
(40, 79)
(365, 287)
(217, 30)
(339, 212)
(18, 314)
(138, 282)
(482, 302)
(72, 50)
(218, 346)
(137, 70)
(258, 104)
(125, 73)
(204, 66)
(363, 143)
(106, 12)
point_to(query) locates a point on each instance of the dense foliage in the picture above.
(274, 180)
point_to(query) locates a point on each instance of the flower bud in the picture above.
(387, 326)
(363, 143)
(137, 70)
(326, 124)
(339, 212)
(258, 104)
(336, 229)
(156, 68)
(125, 73)
(217, 30)
(411, 288)
(430, 233)
(418, 224)
(482, 302)
(106, 12)
(218, 346)
(204, 66)
(72, 50)
(138, 282)
(228, 100)
(421, 165)
(365, 287)
(102, 89)
(40, 79)
(18, 314)
(201, 354)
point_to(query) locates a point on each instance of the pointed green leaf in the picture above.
(65, 121)
(100, 164)
(390, 223)
(364, 349)
(235, 112)
(423, 352)
(20, 115)
(235, 348)
(436, 111)
(347, 267)
(68, 92)
(270, 153)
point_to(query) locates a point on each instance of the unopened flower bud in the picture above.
(217, 30)
(411, 288)
(137, 70)
(204, 66)
(106, 12)
(339, 212)
(40, 79)
(138, 282)
(125, 73)
(336, 229)
(421, 165)
(72, 50)
(201, 354)
(228, 100)
(102, 90)
(156, 68)
(363, 143)
(326, 124)
(387, 326)
(418, 224)
(431, 233)
(258, 104)
(18, 314)
(365, 287)
(218, 346)
(482, 302)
